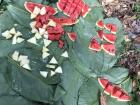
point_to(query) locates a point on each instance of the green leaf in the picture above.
(7, 47)
(30, 86)
(21, 16)
(71, 82)
(88, 93)
(6, 21)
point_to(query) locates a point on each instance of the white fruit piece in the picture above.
(42, 31)
(13, 31)
(65, 54)
(52, 73)
(45, 35)
(43, 11)
(7, 34)
(59, 70)
(45, 55)
(32, 24)
(51, 23)
(35, 12)
(34, 30)
(47, 42)
(20, 40)
(32, 40)
(14, 40)
(38, 36)
(27, 66)
(18, 33)
(22, 57)
(53, 61)
(45, 49)
(15, 55)
(50, 66)
(44, 26)
(24, 61)
(44, 73)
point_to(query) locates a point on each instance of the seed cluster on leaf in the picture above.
(114, 90)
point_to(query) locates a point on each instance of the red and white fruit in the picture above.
(109, 49)
(111, 38)
(94, 45)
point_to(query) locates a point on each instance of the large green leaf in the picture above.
(71, 82)
(21, 16)
(7, 47)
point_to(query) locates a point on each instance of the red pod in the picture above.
(100, 23)
(111, 27)
(100, 34)
(109, 49)
(72, 36)
(73, 8)
(114, 90)
(111, 38)
(94, 45)
(29, 6)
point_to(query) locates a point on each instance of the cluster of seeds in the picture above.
(22, 59)
(108, 47)
(15, 35)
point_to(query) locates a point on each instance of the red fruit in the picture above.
(111, 27)
(109, 48)
(100, 34)
(117, 91)
(64, 21)
(100, 23)
(109, 88)
(109, 37)
(124, 97)
(72, 36)
(73, 8)
(94, 45)
(29, 6)
(61, 43)
(103, 82)
(85, 10)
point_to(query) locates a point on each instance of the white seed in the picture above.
(47, 42)
(52, 73)
(18, 33)
(22, 57)
(53, 61)
(50, 66)
(43, 11)
(27, 66)
(42, 31)
(45, 55)
(32, 24)
(36, 10)
(44, 73)
(15, 55)
(52, 23)
(20, 40)
(38, 36)
(65, 54)
(33, 16)
(13, 31)
(7, 34)
(24, 61)
(34, 30)
(58, 70)
(32, 40)
(14, 40)
(45, 49)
